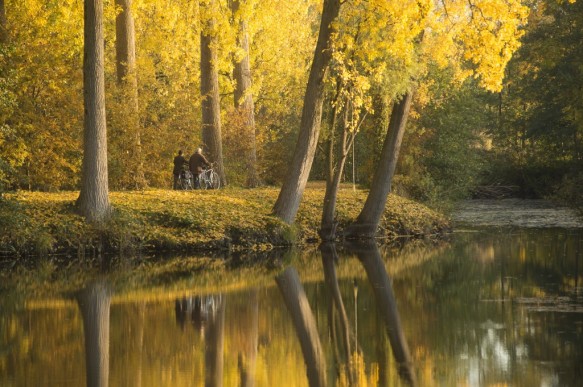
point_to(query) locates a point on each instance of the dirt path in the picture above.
(515, 213)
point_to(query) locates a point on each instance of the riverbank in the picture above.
(193, 221)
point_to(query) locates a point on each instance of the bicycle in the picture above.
(185, 180)
(209, 179)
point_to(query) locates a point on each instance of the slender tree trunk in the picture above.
(94, 302)
(305, 325)
(290, 196)
(244, 99)
(370, 257)
(368, 220)
(125, 48)
(3, 27)
(209, 89)
(328, 225)
(93, 201)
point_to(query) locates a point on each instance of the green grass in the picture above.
(166, 220)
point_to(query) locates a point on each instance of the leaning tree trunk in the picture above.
(244, 99)
(305, 325)
(125, 48)
(288, 201)
(370, 257)
(3, 27)
(209, 89)
(94, 302)
(368, 220)
(93, 201)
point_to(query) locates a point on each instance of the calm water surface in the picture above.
(485, 309)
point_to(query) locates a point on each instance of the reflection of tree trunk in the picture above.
(329, 256)
(94, 302)
(214, 343)
(368, 220)
(377, 275)
(133, 327)
(305, 325)
(250, 324)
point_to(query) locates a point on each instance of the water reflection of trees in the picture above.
(305, 324)
(94, 303)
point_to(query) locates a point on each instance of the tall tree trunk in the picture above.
(305, 325)
(368, 220)
(290, 196)
(244, 99)
(93, 201)
(125, 48)
(3, 27)
(94, 302)
(209, 90)
(370, 257)
(328, 225)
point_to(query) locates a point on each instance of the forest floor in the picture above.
(35, 223)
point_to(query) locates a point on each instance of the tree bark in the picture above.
(125, 48)
(305, 325)
(244, 99)
(328, 225)
(93, 201)
(290, 196)
(94, 302)
(370, 257)
(209, 90)
(3, 27)
(367, 222)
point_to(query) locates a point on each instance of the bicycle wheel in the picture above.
(213, 180)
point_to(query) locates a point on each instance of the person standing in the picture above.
(196, 163)
(179, 162)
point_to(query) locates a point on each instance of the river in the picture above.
(497, 304)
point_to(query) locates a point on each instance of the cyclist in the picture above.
(179, 163)
(196, 163)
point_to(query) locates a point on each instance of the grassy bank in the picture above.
(156, 220)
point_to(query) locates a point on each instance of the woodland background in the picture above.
(467, 127)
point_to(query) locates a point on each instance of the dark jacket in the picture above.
(179, 162)
(197, 162)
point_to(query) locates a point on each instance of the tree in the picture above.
(3, 30)
(367, 221)
(93, 201)
(209, 90)
(243, 98)
(125, 48)
(290, 195)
